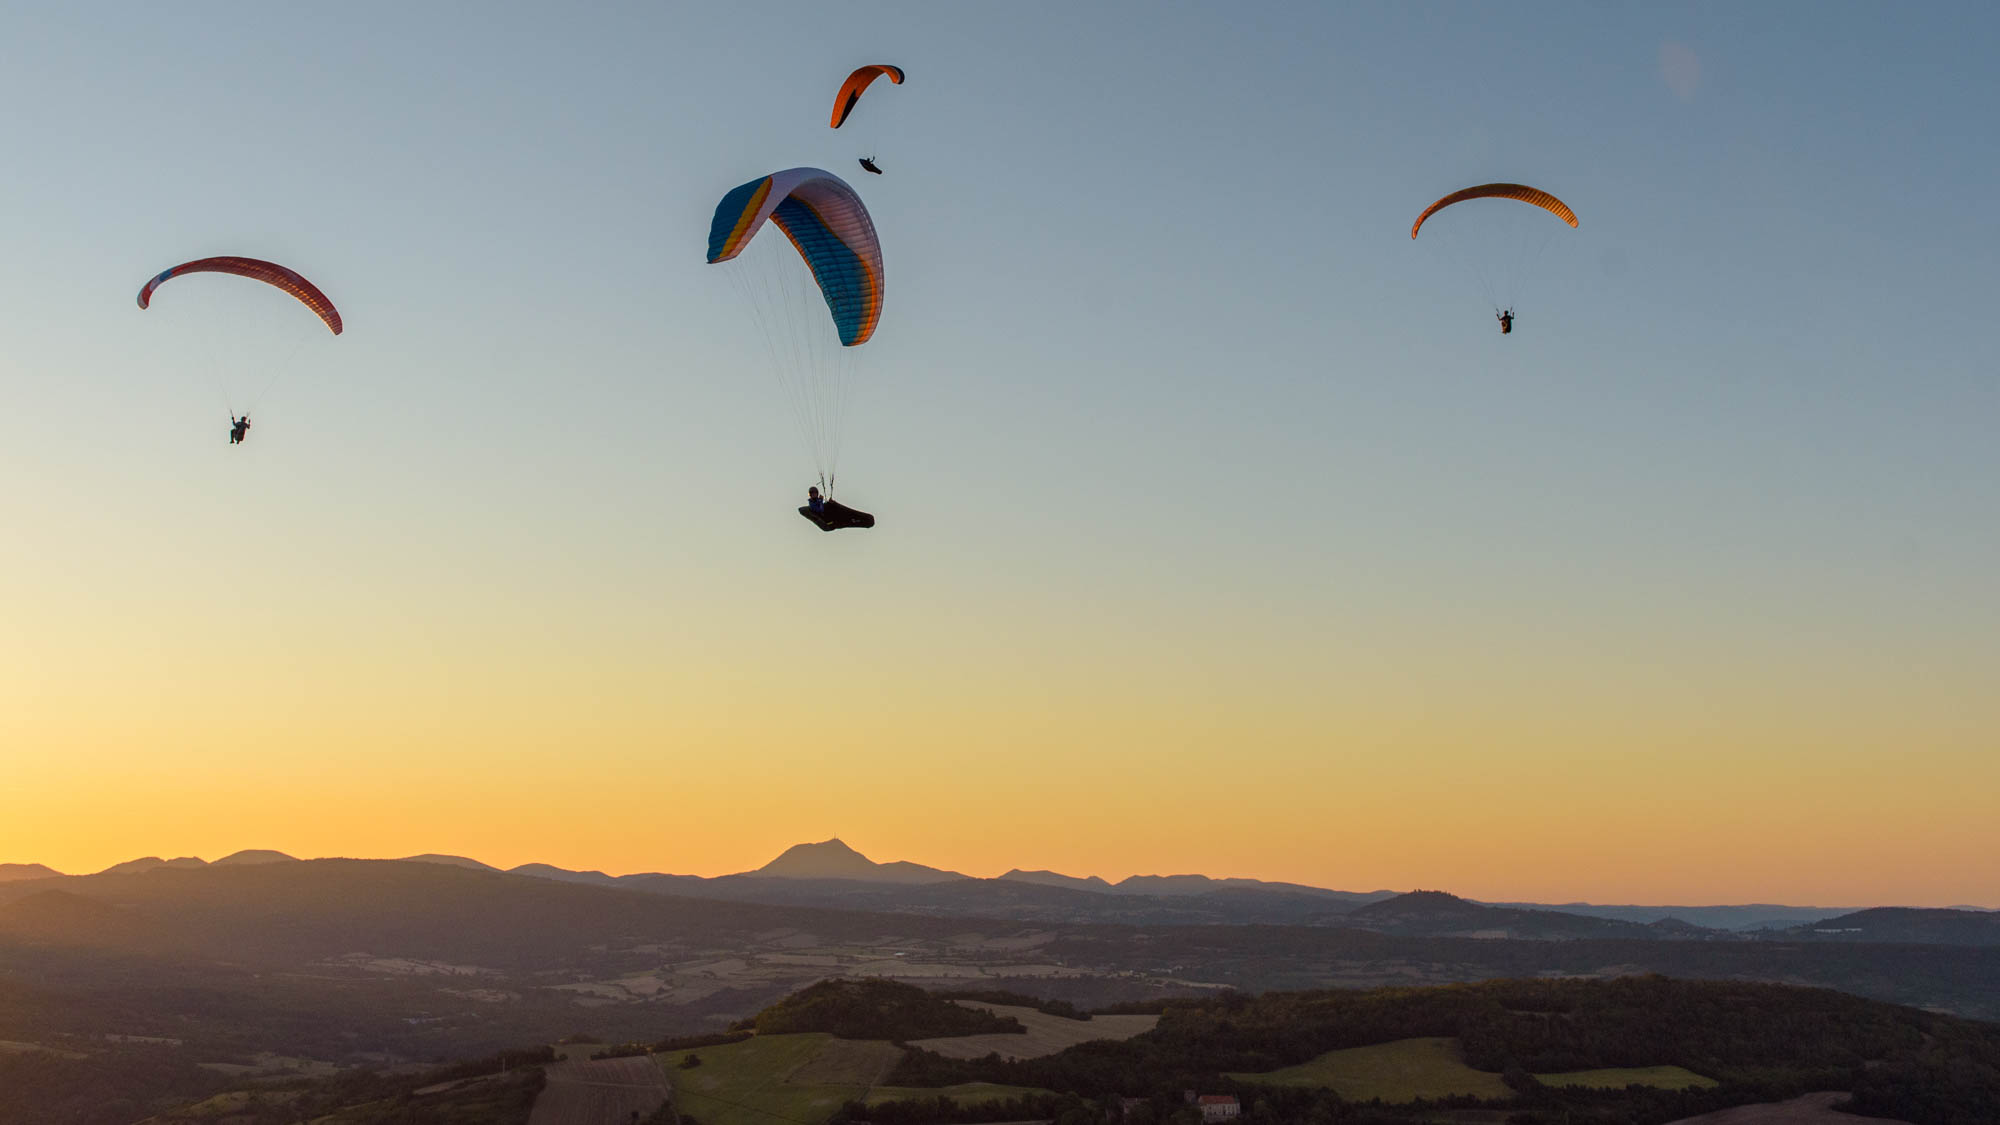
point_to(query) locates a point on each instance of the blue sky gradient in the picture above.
(1160, 378)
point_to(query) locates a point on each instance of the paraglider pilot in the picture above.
(1506, 320)
(239, 428)
(829, 514)
(868, 163)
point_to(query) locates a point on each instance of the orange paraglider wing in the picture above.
(850, 90)
(1533, 196)
(270, 273)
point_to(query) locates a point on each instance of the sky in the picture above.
(1220, 529)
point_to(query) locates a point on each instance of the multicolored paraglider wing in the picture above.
(850, 90)
(271, 273)
(828, 224)
(1522, 192)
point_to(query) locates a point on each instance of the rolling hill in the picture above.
(1904, 925)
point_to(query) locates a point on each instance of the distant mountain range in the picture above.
(830, 874)
(491, 950)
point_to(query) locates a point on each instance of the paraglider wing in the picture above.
(829, 226)
(850, 90)
(271, 273)
(1533, 196)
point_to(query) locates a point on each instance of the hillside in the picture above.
(1905, 925)
(449, 861)
(123, 1084)
(17, 872)
(877, 1009)
(1694, 1046)
(62, 917)
(1647, 1050)
(153, 862)
(811, 1077)
(254, 856)
(833, 859)
(1437, 914)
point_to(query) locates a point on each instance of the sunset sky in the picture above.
(1221, 530)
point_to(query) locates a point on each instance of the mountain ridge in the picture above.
(19, 872)
(833, 859)
(832, 873)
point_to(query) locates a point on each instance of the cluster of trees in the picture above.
(877, 1009)
(671, 1043)
(121, 1085)
(490, 1064)
(1531, 1104)
(690, 1042)
(107, 1088)
(1954, 1075)
(1714, 1028)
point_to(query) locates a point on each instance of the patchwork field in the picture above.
(593, 1092)
(847, 1062)
(1046, 1035)
(13, 1047)
(1661, 1077)
(1395, 1072)
(801, 1077)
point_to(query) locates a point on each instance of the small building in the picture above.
(1218, 1107)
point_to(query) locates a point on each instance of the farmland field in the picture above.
(591, 1092)
(847, 1062)
(1046, 1035)
(1663, 1077)
(965, 1093)
(803, 1077)
(12, 1047)
(1395, 1072)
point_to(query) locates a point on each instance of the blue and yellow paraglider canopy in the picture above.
(828, 224)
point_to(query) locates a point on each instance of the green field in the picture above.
(798, 1078)
(1663, 1077)
(1395, 1072)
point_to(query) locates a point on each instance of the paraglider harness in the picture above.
(832, 515)
(868, 164)
(1506, 320)
(239, 428)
